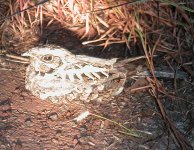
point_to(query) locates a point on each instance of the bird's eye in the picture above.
(47, 58)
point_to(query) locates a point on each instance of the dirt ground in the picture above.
(27, 123)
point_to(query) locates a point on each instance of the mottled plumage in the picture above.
(56, 74)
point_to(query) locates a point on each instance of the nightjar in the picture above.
(55, 74)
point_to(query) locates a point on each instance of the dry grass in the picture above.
(160, 26)
(157, 89)
(105, 22)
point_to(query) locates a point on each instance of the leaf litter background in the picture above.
(160, 28)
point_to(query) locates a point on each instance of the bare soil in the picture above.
(27, 123)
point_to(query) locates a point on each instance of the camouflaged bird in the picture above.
(55, 74)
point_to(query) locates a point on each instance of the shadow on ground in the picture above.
(29, 123)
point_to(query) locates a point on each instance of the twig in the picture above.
(125, 61)
(140, 88)
(17, 61)
(183, 142)
(6, 69)
(19, 58)
(129, 131)
(164, 74)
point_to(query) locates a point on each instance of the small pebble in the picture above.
(97, 122)
(106, 124)
(55, 140)
(53, 116)
(58, 133)
(91, 140)
(68, 114)
(28, 122)
(75, 141)
(25, 94)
